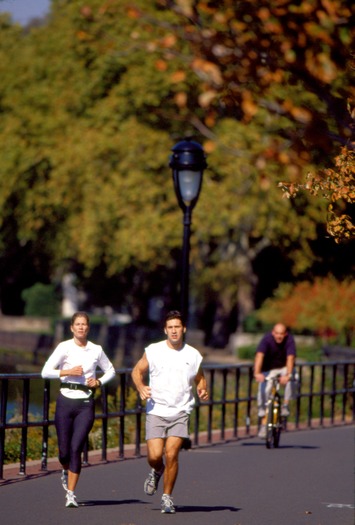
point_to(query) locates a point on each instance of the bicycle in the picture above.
(275, 422)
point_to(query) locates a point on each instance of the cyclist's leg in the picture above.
(288, 393)
(288, 390)
(273, 373)
(262, 399)
(264, 390)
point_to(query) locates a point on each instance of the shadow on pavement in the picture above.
(108, 502)
(199, 508)
(280, 447)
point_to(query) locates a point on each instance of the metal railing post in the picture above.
(45, 432)
(24, 430)
(224, 402)
(210, 407)
(236, 404)
(121, 416)
(3, 405)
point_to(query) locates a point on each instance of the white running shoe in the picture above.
(285, 411)
(167, 506)
(151, 483)
(71, 499)
(262, 432)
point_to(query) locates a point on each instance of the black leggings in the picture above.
(73, 421)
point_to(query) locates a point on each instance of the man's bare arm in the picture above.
(201, 385)
(138, 374)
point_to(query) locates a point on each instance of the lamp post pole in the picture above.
(188, 162)
(185, 266)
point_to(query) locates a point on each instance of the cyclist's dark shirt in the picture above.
(275, 355)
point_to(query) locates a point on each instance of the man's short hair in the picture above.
(174, 314)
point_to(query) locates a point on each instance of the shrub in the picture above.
(324, 307)
(41, 300)
(246, 352)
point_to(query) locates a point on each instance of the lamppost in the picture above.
(188, 162)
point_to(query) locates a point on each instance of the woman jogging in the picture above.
(74, 362)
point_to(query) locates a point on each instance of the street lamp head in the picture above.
(187, 162)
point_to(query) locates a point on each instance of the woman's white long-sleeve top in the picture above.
(68, 354)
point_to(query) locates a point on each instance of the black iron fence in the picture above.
(324, 395)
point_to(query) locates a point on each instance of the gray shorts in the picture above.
(163, 427)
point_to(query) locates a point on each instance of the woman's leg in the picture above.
(64, 427)
(82, 425)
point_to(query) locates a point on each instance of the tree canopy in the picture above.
(92, 102)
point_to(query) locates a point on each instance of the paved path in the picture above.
(308, 480)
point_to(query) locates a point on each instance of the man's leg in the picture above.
(261, 399)
(288, 395)
(155, 449)
(172, 448)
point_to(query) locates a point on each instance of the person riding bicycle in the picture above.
(275, 355)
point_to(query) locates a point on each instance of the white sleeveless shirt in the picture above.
(171, 378)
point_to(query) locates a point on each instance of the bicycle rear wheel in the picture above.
(273, 424)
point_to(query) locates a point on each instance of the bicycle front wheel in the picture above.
(269, 426)
(276, 422)
(273, 424)
(276, 436)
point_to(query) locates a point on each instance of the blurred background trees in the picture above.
(323, 307)
(92, 101)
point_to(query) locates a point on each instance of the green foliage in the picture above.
(41, 300)
(246, 352)
(34, 436)
(253, 324)
(89, 115)
(34, 442)
(310, 354)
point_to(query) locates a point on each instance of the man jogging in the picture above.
(174, 367)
